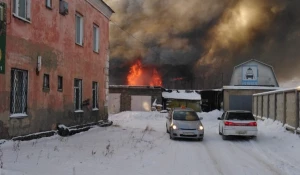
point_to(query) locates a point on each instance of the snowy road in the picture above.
(138, 144)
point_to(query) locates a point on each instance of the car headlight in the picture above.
(201, 127)
(174, 127)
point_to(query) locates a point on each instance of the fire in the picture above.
(155, 79)
(139, 76)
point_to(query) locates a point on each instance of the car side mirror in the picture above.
(219, 118)
(200, 118)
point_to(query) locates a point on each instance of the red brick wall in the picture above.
(52, 36)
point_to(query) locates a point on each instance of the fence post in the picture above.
(262, 107)
(297, 109)
(268, 106)
(275, 106)
(257, 106)
(284, 108)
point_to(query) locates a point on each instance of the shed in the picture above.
(178, 98)
(240, 97)
(133, 98)
(211, 99)
(248, 78)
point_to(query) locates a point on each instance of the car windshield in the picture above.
(185, 115)
(240, 116)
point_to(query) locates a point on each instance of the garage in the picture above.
(240, 102)
(140, 103)
(133, 98)
(114, 103)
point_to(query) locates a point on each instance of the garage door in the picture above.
(240, 102)
(114, 103)
(140, 103)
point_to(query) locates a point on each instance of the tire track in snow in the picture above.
(212, 158)
(256, 157)
(276, 159)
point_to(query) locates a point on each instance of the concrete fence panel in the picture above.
(291, 109)
(272, 106)
(254, 106)
(265, 106)
(298, 109)
(259, 109)
(280, 107)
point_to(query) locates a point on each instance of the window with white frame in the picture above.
(95, 95)
(79, 29)
(19, 89)
(96, 38)
(77, 94)
(49, 4)
(22, 9)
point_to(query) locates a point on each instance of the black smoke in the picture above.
(196, 44)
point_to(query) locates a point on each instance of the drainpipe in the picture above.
(106, 72)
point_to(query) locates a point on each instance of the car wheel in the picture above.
(220, 132)
(171, 135)
(224, 137)
(167, 129)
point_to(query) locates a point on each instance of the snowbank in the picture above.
(137, 143)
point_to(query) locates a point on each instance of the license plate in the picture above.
(241, 132)
(188, 133)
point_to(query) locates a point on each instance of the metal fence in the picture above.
(281, 105)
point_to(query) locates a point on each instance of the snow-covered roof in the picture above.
(182, 95)
(250, 87)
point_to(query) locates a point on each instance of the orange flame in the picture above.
(138, 76)
(155, 79)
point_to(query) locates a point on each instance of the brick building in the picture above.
(53, 64)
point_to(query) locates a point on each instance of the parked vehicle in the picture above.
(184, 123)
(237, 123)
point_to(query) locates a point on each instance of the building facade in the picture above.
(53, 64)
(248, 78)
(254, 73)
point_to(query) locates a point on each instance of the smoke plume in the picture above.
(202, 40)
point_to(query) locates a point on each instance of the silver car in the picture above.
(184, 123)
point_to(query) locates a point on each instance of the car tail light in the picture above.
(226, 123)
(252, 124)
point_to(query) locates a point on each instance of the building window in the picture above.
(21, 9)
(95, 95)
(60, 83)
(79, 29)
(19, 89)
(46, 82)
(49, 4)
(78, 94)
(96, 38)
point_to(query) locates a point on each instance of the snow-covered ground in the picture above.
(138, 144)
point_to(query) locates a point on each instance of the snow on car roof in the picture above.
(182, 95)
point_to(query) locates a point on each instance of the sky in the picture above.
(204, 39)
